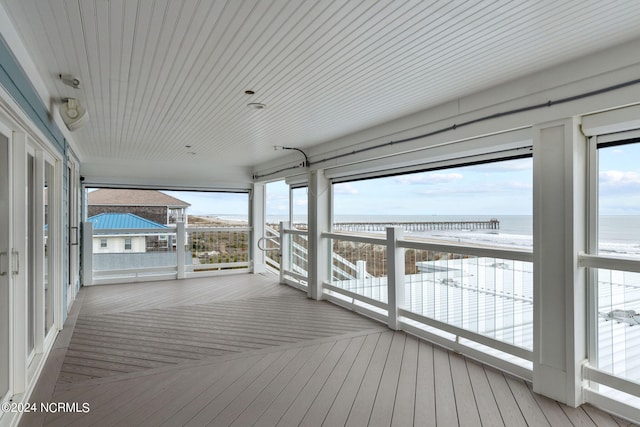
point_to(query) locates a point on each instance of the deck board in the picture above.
(382, 411)
(297, 410)
(364, 399)
(425, 406)
(324, 400)
(445, 399)
(343, 401)
(467, 409)
(404, 405)
(247, 351)
(528, 406)
(485, 400)
(509, 410)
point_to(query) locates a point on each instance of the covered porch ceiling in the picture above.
(164, 81)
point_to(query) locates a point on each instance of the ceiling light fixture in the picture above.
(306, 159)
(73, 114)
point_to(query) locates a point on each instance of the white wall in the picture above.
(115, 244)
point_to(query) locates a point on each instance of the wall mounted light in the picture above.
(70, 80)
(73, 114)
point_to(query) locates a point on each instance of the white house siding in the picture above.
(115, 244)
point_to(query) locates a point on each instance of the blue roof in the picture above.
(114, 221)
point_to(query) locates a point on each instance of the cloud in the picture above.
(344, 188)
(614, 178)
(506, 189)
(428, 178)
(507, 166)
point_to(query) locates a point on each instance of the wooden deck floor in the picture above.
(244, 350)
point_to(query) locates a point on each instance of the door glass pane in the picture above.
(48, 247)
(4, 267)
(31, 272)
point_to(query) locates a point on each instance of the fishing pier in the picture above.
(492, 224)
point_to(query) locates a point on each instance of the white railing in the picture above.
(294, 257)
(272, 247)
(133, 255)
(473, 299)
(613, 370)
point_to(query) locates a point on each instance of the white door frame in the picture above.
(6, 276)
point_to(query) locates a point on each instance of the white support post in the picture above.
(87, 253)
(181, 244)
(395, 274)
(559, 228)
(319, 221)
(285, 248)
(361, 269)
(258, 219)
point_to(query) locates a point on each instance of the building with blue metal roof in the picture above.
(106, 241)
(111, 221)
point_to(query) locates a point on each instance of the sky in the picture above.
(619, 180)
(210, 203)
(501, 188)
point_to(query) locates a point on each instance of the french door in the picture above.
(39, 244)
(30, 257)
(6, 257)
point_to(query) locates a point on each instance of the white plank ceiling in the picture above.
(165, 79)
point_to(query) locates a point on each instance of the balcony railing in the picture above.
(128, 255)
(613, 370)
(295, 256)
(470, 298)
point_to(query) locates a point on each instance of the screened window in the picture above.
(103, 243)
(488, 204)
(619, 199)
(127, 244)
(299, 208)
(616, 289)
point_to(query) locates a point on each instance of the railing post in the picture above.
(395, 274)
(181, 243)
(87, 253)
(361, 269)
(285, 249)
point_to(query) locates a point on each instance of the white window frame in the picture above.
(593, 261)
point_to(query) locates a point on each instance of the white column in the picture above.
(559, 228)
(181, 244)
(87, 253)
(319, 221)
(258, 219)
(395, 274)
(285, 249)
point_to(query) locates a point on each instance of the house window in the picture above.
(127, 244)
(103, 243)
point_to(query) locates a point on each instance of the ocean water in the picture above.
(619, 234)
